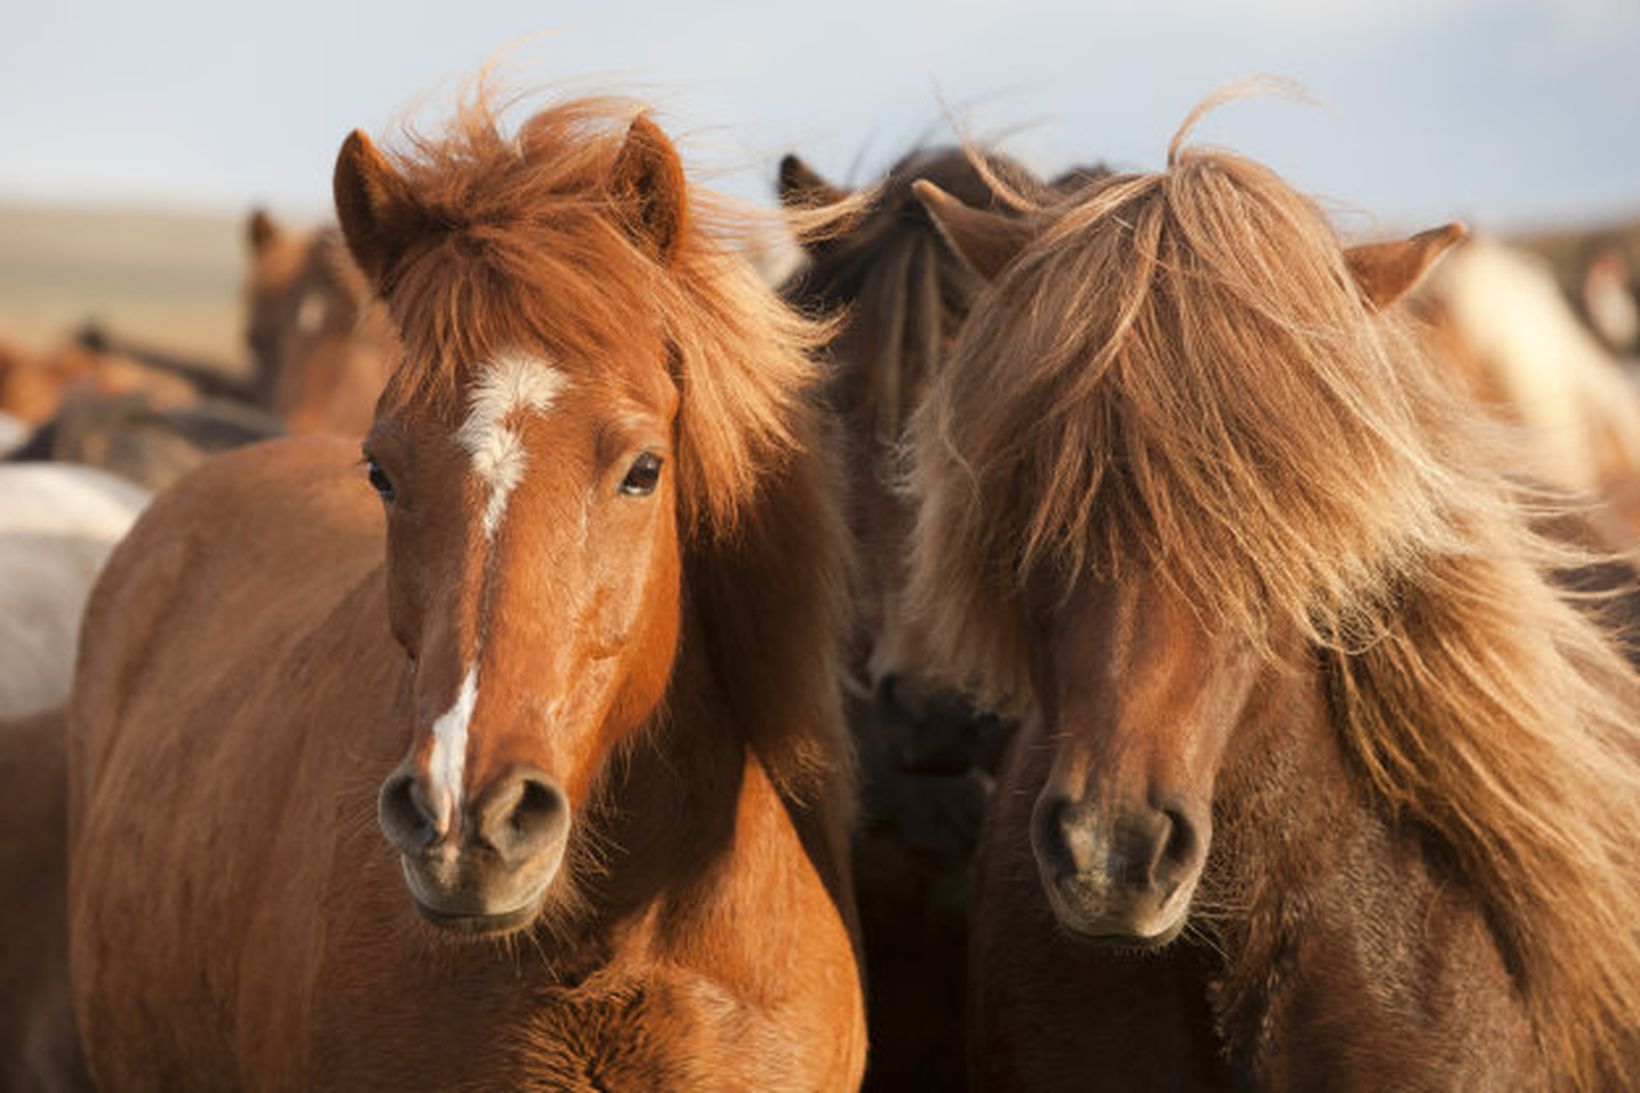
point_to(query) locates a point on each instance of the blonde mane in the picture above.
(521, 241)
(1178, 377)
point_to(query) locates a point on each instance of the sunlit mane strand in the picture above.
(1178, 377)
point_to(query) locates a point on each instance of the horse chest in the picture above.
(503, 1027)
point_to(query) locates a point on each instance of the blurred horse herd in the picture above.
(1092, 632)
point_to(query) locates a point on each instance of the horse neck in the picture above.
(1355, 956)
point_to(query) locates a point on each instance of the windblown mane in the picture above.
(905, 290)
(522, 242)
(1178, 377)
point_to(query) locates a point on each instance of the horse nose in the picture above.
(405, 814)
(523, 815)
(1148, 848)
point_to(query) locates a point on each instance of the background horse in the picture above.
(151, 445)
(1500, 318)
(590, 694)
(57, 526)
(33, 386)
(1311, 724)
(900, 293)
(321, 347)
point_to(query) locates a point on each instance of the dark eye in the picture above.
(378, 479)
(642, 476)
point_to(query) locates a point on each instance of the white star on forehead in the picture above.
(511, 383)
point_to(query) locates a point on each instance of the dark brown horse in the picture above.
(1326, 784)
(901, 293)
(567, 636)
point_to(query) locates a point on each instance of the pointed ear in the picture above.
(260, 230)
(1385, 272)
(987, 241)
(380, 216)
(801, 187)
(647, 188)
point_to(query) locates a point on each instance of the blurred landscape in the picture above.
(169, 280)
(174, 281)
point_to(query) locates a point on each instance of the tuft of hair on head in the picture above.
(1249, 87)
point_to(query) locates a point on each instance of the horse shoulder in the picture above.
(212, 643)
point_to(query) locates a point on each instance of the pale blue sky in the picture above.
(1510, 112)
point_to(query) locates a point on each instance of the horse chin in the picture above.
(460, 909)
(1093, 921)
(1127, 942)
(489, 925)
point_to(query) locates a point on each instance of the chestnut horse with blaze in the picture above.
(577, 660)
(1325, 782)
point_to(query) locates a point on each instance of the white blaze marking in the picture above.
(512, 383)
(449, 756)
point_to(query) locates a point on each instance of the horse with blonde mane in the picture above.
(898, 294)
(1325, 784)
(567, 636)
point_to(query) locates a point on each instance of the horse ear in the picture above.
(647, 188)
(801, 187)
(260, 230)
(1385, 272)
(987, 241)
(379, 214)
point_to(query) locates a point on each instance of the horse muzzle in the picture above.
(483, 868)
(1123, 877)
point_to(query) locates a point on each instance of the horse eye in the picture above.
(378, 479)
(642, 477)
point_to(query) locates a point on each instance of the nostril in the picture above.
(537, 806)
(1181, 840)
(1178, 852)
(526, 815)
(1050, 835)
(404, 814)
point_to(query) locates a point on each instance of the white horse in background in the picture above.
(12, 432)
(1501, 317)
(58, 523)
